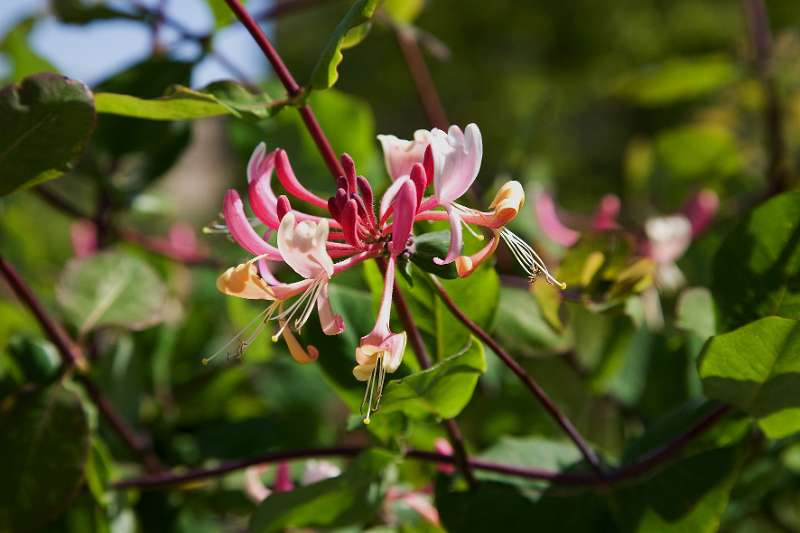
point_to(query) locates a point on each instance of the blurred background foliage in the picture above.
(646, 99)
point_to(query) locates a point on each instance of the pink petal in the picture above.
(457, 161)
(400, 155)
(241, 230)
(420, 181)
(332, 324)
(262, 199)
(405, 207)
(456, 240)
(291, 184)
(545, 210)
(605, 217)
(700, 210)
(283, 478)
(388, 197)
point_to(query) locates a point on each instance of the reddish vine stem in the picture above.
(71, 356)
(637, 469)
(545, 400)
(424, 359)
(420, 74)
(292, 87)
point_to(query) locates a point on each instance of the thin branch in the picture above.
(548, 404)
(423, 82)
(424, 359)
(634, 470)
(292, 87)
(779, 175)
(70, 353)
(71, 356)
(155, 245)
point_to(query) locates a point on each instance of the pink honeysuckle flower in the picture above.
(665, 238)
(381, 351)
(316, 470)
(451, 161)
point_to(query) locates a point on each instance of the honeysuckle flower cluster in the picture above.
(664, 239)
(318, 247)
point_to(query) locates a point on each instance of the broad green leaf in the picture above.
(757, 368)
(698, 153)
(43, 452)
(521, 326)
(497, 506)
(533, 452)
(47, 120)
(349, 499)
(430, 245)
(16, 46)
(689, 495)
(111, 289)
(182, 103)
(678, 79)
(443, 390)
(351, 30)
(756, 269)
(86, 11)
(695, 312)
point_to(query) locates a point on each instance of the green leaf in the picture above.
(16, 46)
(521, 326)
(678, 79)
(756, 269)
(351, 498)
(532, 452)
(182, 103)
(757, 368)
(443, 333)
(430, 245)
(84, 12)
(111, 289)
(697, 153)
(689, 495)
(403, 11)
(221, 12)
(37, 358)
(351, 30)
(43, 451)
(442, 390)
(695, 312)
(47, 120)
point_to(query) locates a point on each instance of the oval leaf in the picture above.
(47, 120)
(757, 267)
(351, 498)
(111, 289)
(43, 451)
(757, 368)
(182, 103)
(351, 30)
(442, 390)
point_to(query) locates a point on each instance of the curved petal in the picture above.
(545, 210)
(400, 154)
(395, 346)
(331, 323)
(456, 239)
(299, 354)
(466, 264)
(389, 195)
(241, 230)
(243, 281)
(405, 207)
(259, 175)
(302, 246)
(457, 161)
(292, 184)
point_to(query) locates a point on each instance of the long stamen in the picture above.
(528, 258)
(263, 316)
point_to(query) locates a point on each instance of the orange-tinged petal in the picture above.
(299, 354)
(466, 264)
(243, 281)
(507, 202)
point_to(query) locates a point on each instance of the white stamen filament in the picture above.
(374, 386)
(263, 317)
(306, 302)
(528, 258)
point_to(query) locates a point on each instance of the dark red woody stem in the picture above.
(288, 81)
(548, 404)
